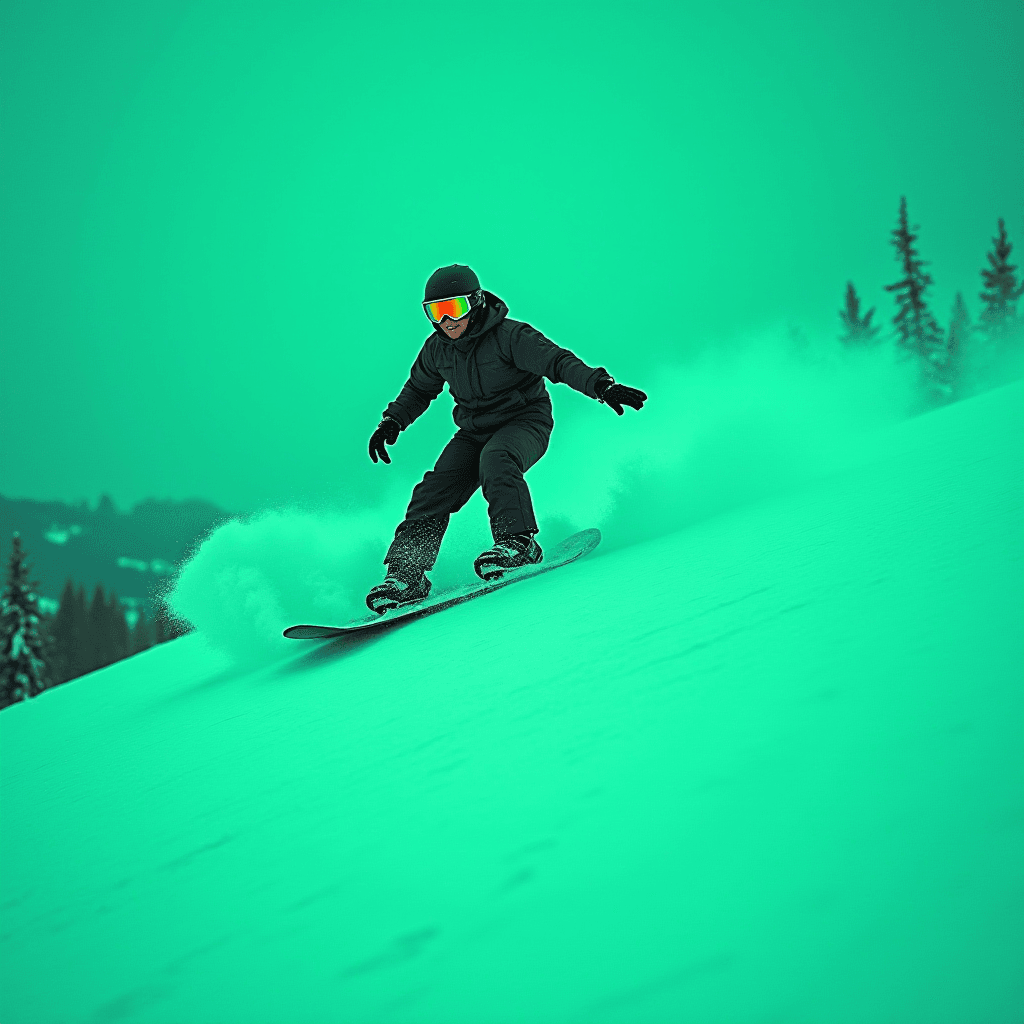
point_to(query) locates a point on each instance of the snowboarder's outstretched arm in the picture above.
(422, 387)
(532, 351)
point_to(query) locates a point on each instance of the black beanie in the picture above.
(449, 281)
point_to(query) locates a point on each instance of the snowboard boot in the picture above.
(511, 552)
(404, 584)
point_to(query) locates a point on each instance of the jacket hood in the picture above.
(494, 312)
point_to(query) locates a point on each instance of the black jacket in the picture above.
(495, 372)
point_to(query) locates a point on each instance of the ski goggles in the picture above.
(456, 308)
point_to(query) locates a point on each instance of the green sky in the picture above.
(216, 219)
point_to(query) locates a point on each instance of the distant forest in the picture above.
(962, 358)
(39, 651)
(125, 559)
(132, 552)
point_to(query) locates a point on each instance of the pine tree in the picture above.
(70, 635)
(917, 332)
(999, 319)
(141, 638)
(958, 348)
(48, 650)
(160, 633)
(82, 615)
(118, 625)
(66, 636)
(105, 507)
(859, 329)
(23, 669)
(96, 649)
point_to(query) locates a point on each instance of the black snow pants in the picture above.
(496, 462)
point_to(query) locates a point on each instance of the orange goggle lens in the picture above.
(456, 308)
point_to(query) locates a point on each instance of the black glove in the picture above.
(387, 430)
(618, 395)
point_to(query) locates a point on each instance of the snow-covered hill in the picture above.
(766, 768)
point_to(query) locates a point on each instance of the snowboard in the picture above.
(576, 546)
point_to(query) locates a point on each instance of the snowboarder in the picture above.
(494, 367)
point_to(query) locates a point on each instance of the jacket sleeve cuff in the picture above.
(601, 374)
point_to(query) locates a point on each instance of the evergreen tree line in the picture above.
(39, 651)
(962, 358)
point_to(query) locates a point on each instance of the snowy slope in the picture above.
(788, 789)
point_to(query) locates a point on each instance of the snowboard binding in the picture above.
(401, 586)
(508, 553)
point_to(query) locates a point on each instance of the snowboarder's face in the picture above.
(454, 328)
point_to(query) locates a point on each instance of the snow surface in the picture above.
(769, 767)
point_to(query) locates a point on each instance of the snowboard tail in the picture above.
(572, 548)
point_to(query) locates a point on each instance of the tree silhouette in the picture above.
(958, 347)
(1000, 292)
(105, 507)
(141, 635)
(82, 611)
(86, 638)
(118, 629)
(68, 634)
(23, 646)
(96, 650)
(859, 329)
(917, 332)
